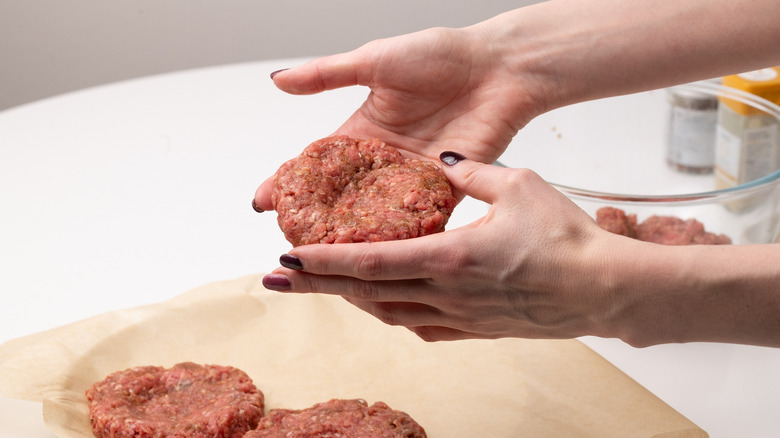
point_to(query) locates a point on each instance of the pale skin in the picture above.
(470, 90)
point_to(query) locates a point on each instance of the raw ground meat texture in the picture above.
(185, 401)
(665, 230)
(616, 221)
(342, 190)
(338, 418)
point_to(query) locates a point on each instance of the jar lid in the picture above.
(764, 83)
(691, 99)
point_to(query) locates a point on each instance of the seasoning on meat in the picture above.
(338, 418)
(665, 230)
(342, 190)
(185, 401)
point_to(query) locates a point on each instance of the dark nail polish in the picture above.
(277, 282)
(451, 158)
(278, 71)
(290, 261)
(256, 208)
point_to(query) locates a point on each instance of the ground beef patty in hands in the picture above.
(338, 418)
(342, 190)
(185, 401)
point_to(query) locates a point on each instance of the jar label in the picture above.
(754, 154)
(728, 151)
(760, 152)
(691, 137)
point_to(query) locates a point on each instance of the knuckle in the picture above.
(387, 314)
(448, 269)
(303, 282)
(458, 258)
(363, 290)
(521, 177)
(369, 265)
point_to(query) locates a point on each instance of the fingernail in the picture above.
(278, 71)
(277, 282)
(290, 261)
(451, 158)
(256, 208)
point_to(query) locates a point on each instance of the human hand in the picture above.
(431, 91)
(536, 265)
(529, 268)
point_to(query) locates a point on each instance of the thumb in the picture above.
(262, 200)
(321, 74)
(477, 180)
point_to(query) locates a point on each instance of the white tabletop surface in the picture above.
(131, 193)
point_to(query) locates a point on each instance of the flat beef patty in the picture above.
(187, 400)
(342, 190)
(665, 230)
(338, 418)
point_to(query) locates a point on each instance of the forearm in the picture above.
(724, 293)
(580, 50)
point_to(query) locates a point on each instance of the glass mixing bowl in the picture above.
(613, 152)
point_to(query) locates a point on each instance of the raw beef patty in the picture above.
(338, 418)
(342, 190)
(187, 400)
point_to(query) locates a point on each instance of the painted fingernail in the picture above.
(276, 282)
(451, 158)
(278, 71)
(256, 208)
(290, 261)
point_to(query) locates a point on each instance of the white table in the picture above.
(134, 192)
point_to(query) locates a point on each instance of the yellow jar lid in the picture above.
(763, 83)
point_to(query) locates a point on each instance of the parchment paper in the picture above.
(304, 349)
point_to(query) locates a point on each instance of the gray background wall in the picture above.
(49, 47)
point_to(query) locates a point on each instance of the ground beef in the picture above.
(338, 418)
(187, 400)
(616, 221)
(342, 190)
(674, 231)
(666, 230)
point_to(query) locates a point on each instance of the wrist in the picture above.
(558, 50)
(521, 51)
(568, 51)
(696, 293)
(654, 292)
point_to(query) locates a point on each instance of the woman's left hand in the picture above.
(529, 268)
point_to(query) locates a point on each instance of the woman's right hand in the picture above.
(431, 91)
(434, 90)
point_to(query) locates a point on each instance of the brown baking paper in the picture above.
(304, 349)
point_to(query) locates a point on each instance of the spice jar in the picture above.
(690, 130)
(747, 145)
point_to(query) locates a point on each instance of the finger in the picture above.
(432, 333)
(289, 280)
(427, 322)
(481, 181)
(406, 314)
(399, 303)
(262, 199)
(421, 257)
(327, 73)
